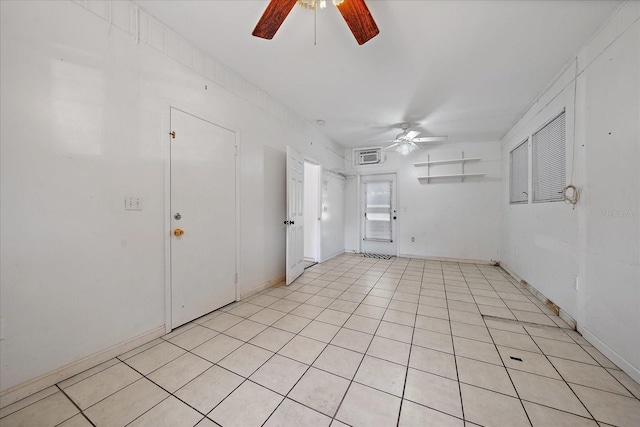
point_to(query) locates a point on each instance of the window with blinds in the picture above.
(519, 174)
(549, 165)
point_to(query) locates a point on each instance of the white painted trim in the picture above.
(320, 175)
(395, 227)
(166, 159)
(359, 210)
(542, 298)
(318, 214)
(278, 280)
(35, 385)
(445, 259)
(166, 144)
(271, 283)
(511, 273)
(238, 240)
(335, 254)
(570, 320)
(622, 363)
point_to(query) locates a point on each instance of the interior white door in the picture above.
(203, 217)
(295, 215)
(378, 214)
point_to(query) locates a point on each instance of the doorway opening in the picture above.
(312, 215)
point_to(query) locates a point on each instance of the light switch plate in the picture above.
(133, 203)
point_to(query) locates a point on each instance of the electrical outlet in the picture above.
(133, 203)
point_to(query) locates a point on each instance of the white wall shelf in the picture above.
(461, 175)
(453, 175)
(445, 162)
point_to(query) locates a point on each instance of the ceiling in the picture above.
(466, 69)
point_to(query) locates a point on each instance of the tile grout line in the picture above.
(159, 386)
(413, 331)
(245, 379)
(453, 345)
(505, 368)
(350, 315)
(365, 352)
(326, 344)
(307, 370)
(74, 404)
(563, 380)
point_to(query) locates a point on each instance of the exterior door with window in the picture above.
(378, 214)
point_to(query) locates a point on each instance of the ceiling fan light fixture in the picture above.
(406, 147)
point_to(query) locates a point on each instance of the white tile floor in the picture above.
(361, 342)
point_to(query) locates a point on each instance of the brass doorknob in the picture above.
(178, 232)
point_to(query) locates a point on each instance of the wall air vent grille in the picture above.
(370, 156)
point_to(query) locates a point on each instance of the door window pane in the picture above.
(377, 211)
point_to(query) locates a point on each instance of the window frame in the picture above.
(524, 143)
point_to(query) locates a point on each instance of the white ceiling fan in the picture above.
(408, 140)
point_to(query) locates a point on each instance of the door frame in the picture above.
(359, 205)
(166, 158)
(312, 161)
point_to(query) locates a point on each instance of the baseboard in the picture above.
(550, 304)
(567, 318)
(446, 259)
(266, 285)
(621, 362)
(333, 255)
(511, 273)
(35, 385)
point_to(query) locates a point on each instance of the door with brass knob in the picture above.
(202, 200)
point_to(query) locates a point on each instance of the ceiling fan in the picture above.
(408, 140)
(355, 13)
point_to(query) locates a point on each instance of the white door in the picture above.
(203, 217)
(295, 218)
(378, 215)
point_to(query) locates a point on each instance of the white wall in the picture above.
(549, 244)
(85, 95)
(447, 217)
(311, 211)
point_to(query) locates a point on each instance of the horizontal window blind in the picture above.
(549, 166)
(519, 174)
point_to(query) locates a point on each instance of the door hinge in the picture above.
(236, 278)
(235, 148)
(173, 134)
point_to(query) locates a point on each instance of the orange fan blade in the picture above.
(359, 19)
(273, 16)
